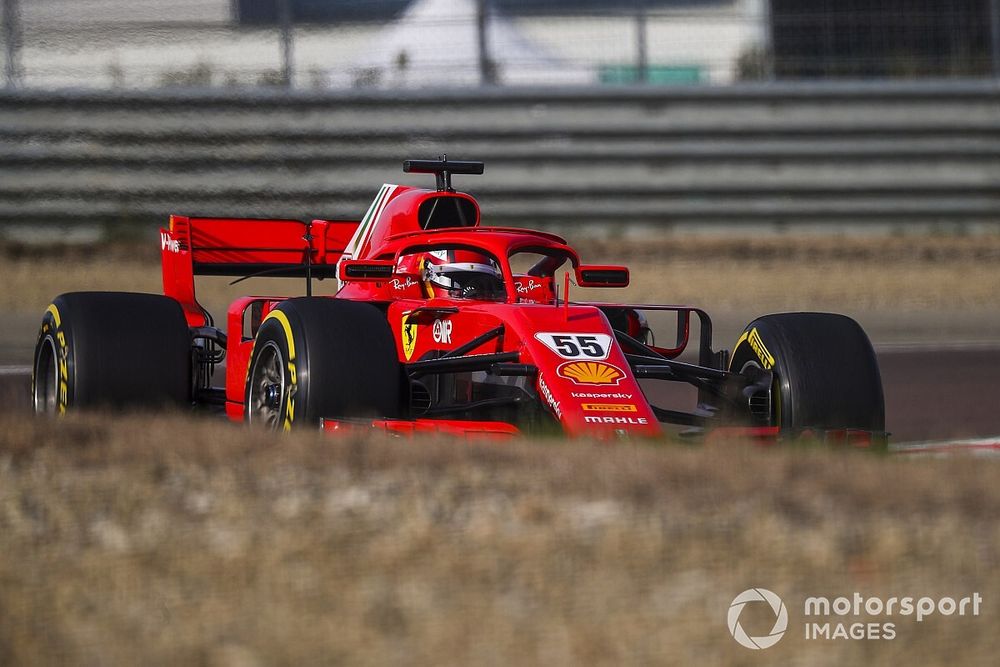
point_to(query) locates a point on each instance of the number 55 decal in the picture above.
(577, 346)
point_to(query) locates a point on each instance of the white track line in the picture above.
(978, 446)
(15, 370)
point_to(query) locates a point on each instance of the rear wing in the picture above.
(241, 247)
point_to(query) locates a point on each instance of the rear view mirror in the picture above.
(601, 276)
(366, 270)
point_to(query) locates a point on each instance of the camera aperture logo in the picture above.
(780, 618)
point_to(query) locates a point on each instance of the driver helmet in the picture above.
(478, 278)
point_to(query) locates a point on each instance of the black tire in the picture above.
(319, 357)
(826, 372)
(111, 349)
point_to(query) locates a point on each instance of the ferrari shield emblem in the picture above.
(409, 337)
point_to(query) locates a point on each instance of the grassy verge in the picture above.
(904, 274)
(170, 540)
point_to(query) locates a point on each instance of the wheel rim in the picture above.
(267, 387)
(45, 398)
(775, 393)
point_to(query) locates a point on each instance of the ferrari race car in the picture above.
(440, 324)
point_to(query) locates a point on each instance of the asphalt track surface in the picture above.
(931, 392)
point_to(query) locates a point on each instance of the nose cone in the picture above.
(585, 379)
(602, 401)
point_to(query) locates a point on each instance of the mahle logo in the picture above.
(780, 620)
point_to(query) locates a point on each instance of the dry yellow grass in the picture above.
(180, 541)
(921, 273)
(898, 273)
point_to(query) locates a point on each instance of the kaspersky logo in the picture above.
(780, 618)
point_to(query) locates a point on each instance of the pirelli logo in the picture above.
(608, 407)
(758, 346)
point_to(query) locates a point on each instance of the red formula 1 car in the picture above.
(439, 324)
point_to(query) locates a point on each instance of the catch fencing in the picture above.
(321, 44)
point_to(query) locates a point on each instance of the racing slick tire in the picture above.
(318, 357)
(826, 375)
(111, 349)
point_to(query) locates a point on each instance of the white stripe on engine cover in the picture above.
(366, 226)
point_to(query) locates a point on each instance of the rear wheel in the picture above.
(322, 357)
(111, 349)
(826, 375)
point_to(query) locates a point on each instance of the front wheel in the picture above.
(318, 357)
(826, 375)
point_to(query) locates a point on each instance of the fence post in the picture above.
(12, 40)
(767, 15)
(995, 36)
(285, 26)
(487, 68)
(642, 51)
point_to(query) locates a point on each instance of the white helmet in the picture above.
(468, 280)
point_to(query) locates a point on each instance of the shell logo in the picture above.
(590, 372)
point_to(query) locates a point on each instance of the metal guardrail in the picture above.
(783, 153)
(922, 90)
